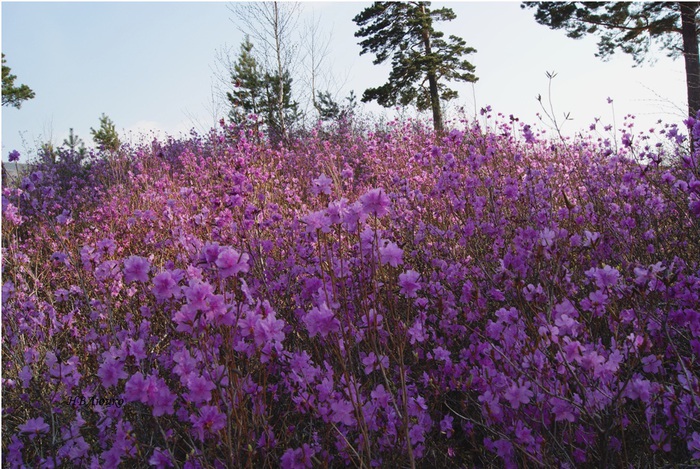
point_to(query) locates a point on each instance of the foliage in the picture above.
(257, 93)
(271, 25)
(248, 90)
(422, 61)
(75, 144)
(329, 109)
(13, 95)
(488, 298)
(106, 136)
(632, 27)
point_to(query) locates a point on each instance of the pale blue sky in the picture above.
(150, 66)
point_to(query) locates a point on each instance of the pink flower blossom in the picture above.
(321, 320)
(165, 286)
(408, 281)
(111, 371)
(375, 202)
(34, 426)
(136, 268)
(391, 254)
(518, 394)
(321, 185)
(230, 262)
(208, 422)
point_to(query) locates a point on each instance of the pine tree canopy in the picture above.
(422, 59)
(106, 136)
(633, 27)
(13, 95)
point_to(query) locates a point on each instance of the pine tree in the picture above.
(632, 27)
(258, 92)
(106, 136)
(421, 59)
(272, 26)
(330, 109)
(13, 95)
(75, 144)
(247, 93)
(279, 115)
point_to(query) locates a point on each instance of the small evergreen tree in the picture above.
(247, 93)
(279, 116)
(329, 109)
(75, 144)
(106, 137)
(258, 92)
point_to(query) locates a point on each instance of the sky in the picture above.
(151, 67)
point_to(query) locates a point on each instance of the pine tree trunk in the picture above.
(435, 102)
(432, 82)
(690, 53)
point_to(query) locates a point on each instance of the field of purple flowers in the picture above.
(381, 299)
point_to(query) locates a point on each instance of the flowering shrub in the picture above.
(490, 298)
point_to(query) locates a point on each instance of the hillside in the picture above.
(390, 298)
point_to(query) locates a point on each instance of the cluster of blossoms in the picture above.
(487, 298)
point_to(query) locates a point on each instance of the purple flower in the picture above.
(321, 185)
(336, 210)
(694, 445)
(198, 295)
(562, 410)
(34, 426)
(651, 364)
(209, 421)
(111, 371)
(529, 136)
(605, 277)
(162, 401)
(186, 364)
(210, 252)
(380, 395)
(695, 208)
(27, 185)
(199, 388)
(106, 270)
(342, 412)
(230, 262)
(299, 458)
(322, 321)
(136, 268)
(318, 220)
(391, 254)
(446, 425)
(14, 155)
(517, 395)
(160, 459)
(135, 388)
(165, 286)
(353, 216)
(408, 281)
(268, 329)
(375, 202)
(25, 375)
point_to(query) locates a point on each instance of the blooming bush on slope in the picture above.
(394, 299)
